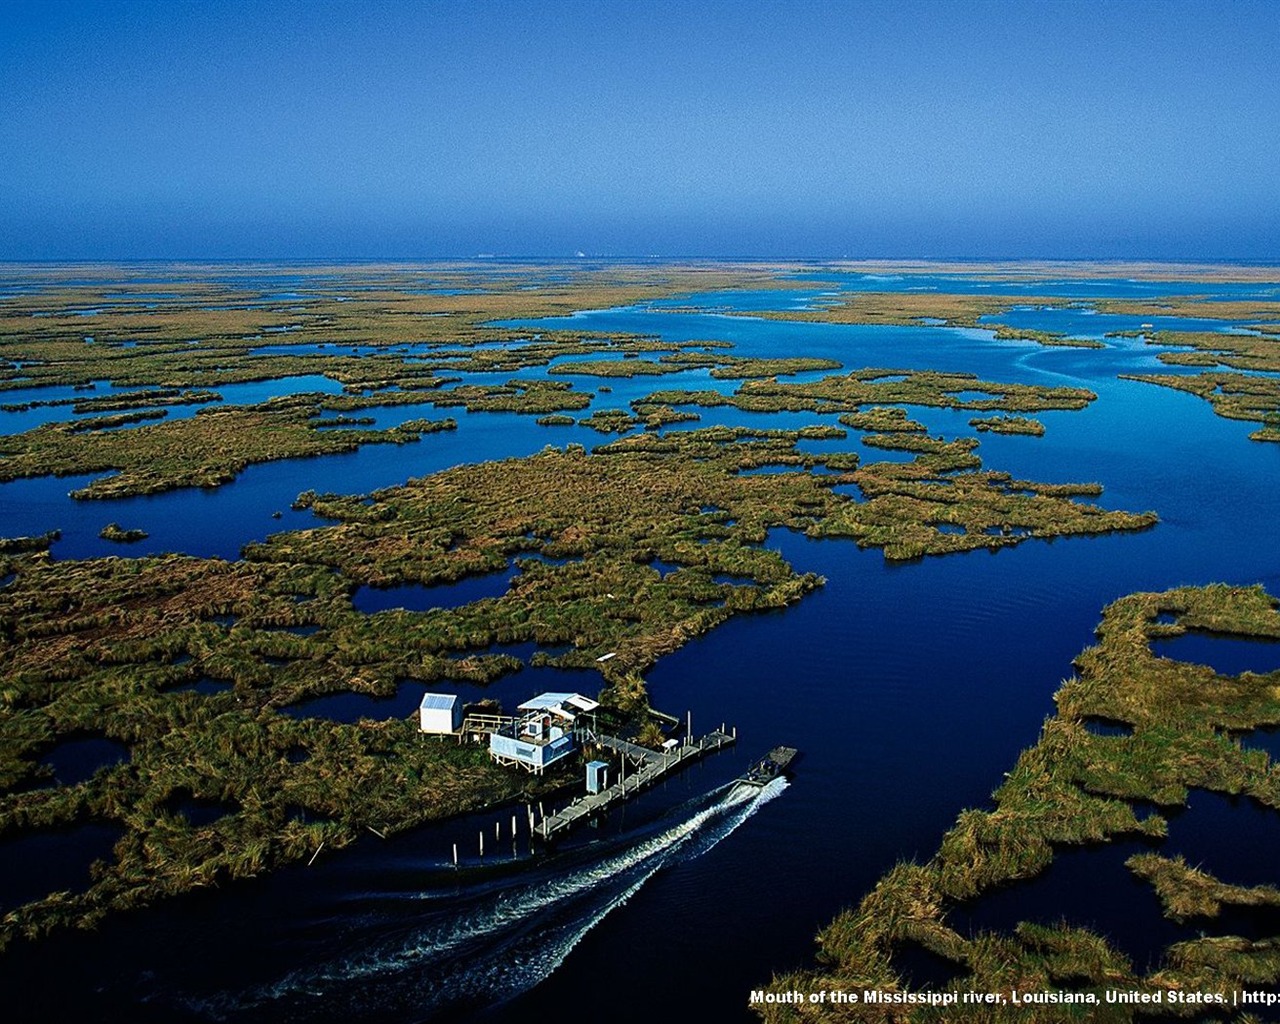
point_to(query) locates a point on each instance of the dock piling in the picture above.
(648, 766)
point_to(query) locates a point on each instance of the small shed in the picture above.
(597, 776)
(440, 713)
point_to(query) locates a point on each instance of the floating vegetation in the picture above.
(942, 456)
(923, 308)
(1187, 891)
(1009, 425)
(878, 387)
(1076, 787)
(113, 645)
(344, 421)
(611, 421)
(144, 400)
(1249, 396)
(656, 416)
(526, 396)
(722, 366)
(364, 326)
(1254, 352)
(119, 420)
(556, 420)
(206, 450)
(115, 532)
(883, 420)
(618, 368)
(120, 400)
(27, 545)
(743, 367)
(914, 509)
(1193, 307)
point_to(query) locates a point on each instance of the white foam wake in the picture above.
(506, 941)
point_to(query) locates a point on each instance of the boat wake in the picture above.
(447, 955)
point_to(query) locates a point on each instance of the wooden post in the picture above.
(455, 855)
(482, 842)
(497, 831)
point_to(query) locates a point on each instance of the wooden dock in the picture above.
(649, 767)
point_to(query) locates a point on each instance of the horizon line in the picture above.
(649, 257)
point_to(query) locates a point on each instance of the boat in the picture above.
(768, 767)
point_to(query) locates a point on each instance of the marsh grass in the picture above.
(110, 646)
(1009, 425)
(1187, 891)
(116, 532)
(921, 308)
(206, 450)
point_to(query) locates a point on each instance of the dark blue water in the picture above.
(197, 811)
(415, 597)
(204, 686)
(1086, 886)
(75, 760)
(1267, 740)
(351, 707)
(1225, 836)
(1226, 655)
(230, 516)
(1070, 890)
(910, 689)
(51, 860)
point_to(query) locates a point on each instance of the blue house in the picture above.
(542, 734)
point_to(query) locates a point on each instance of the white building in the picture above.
(440, 713)
(543, 734)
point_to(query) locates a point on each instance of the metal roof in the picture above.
(550, 701)
(438, 701)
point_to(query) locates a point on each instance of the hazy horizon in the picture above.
(271, 129)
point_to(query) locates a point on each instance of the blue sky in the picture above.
(272, 129)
